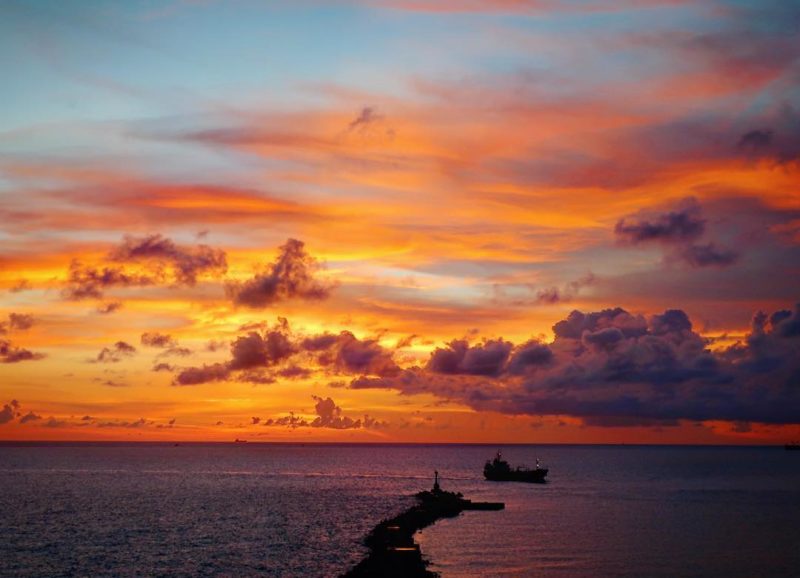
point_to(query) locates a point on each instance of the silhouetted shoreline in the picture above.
(393, 552)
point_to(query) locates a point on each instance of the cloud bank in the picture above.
(611, 366)
(276, 351)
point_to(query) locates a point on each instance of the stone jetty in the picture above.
(392, 550)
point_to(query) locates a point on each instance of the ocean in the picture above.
(294, 510)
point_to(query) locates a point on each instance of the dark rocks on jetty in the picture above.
(393, 552)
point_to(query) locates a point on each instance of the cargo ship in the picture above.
(498, 470)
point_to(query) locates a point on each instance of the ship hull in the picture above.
(529, 476)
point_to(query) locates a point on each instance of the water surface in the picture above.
(302, 510)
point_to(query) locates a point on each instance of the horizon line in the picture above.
(370, 443)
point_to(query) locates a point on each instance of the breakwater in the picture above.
(392, 550)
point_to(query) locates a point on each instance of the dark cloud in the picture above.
(177, 351)
(671, 321)
(612, 368)
(328, 415)
(529, 356)
(549, 295)
(215, 345)
(141, 422)
(9, 353)
(88, 420)
(577, 322)
(166, 343)
(755, 140)
(628, 421)
(320, 342)
(366, 118)
(347, 354)
(290, 277)
(766, 238)
(163, 367)
(487, 358)
(780, 144)
(786, 323)
(29, 417)
(291, 421)
(256, 377)
(113, 383)
(604, 339)
(155, 339)
(109, 308)
(679, 230)
(295, 372)
(204, 374)
(17, 322)
(9, 412)
(372, 423)
(55, 423)
(708, 255)
(187, 263)
(156, 259)
(88, 282)
(263, 357)
(263, 349)
(20, 321)
(678, 226)
(116, 353)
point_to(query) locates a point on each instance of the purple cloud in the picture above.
(612, 367)
(290, 277)
(160, 261)
(115, 353)
(678, 231)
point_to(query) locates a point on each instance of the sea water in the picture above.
(303, 510)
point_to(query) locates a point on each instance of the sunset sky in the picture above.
(400, 221)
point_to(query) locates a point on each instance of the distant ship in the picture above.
(792, 446)
(498, 470)
(238, 441)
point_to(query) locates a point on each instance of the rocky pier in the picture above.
(392, 550)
